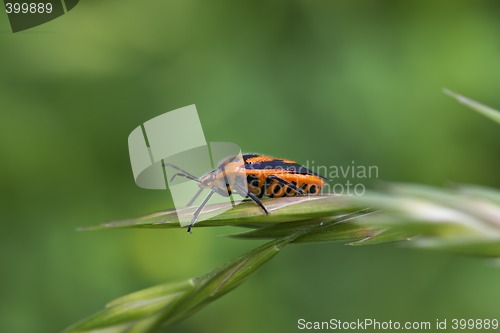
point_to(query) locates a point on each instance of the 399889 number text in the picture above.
(474, 324)
(28, 8)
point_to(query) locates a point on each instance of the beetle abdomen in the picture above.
(263, 185)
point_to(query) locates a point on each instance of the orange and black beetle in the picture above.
(265, 176)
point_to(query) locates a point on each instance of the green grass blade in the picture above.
(462, 220)
(246, 214)
(149, 309)
(480, 192)
(478, 248)
(467, 218)
(340, 228)
(481, 108)
(162, 290)
(121, 317)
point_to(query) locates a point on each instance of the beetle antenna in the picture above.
(182, 173)
(186, 176)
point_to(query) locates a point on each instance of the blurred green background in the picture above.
(325, 81)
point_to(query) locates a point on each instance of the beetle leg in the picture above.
(253, 197)
(198, 211)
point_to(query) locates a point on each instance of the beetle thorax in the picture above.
(213, 179)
